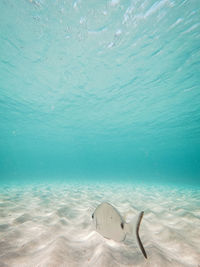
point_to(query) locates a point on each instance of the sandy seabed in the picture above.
(51, 225)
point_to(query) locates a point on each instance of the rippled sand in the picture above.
(51, 225)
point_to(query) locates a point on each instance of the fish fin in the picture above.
(137, 234)
(128, 228)
(130, 221)
(127, 216)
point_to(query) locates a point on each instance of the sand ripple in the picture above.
(52, 226)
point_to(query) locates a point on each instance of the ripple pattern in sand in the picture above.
(52, 226)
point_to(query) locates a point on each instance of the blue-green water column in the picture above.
(100, 90)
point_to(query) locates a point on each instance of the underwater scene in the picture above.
(99, 133)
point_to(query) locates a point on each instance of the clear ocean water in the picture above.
(99, 101)
(100, 91)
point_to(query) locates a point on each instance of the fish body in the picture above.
(109, 223)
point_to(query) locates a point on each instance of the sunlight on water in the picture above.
(99, 101)
(100, 87)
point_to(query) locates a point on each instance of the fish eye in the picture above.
(122, 225)
(92, 215)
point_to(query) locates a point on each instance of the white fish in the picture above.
(110, 224)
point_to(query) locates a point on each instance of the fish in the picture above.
(110, 224)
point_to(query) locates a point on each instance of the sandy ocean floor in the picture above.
(51, 225)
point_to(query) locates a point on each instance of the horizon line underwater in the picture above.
(99, 133)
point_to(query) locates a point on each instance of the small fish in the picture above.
(110, 224)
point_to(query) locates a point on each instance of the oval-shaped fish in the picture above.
(110, 224)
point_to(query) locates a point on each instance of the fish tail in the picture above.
(137, 234)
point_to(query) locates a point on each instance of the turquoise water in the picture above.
(100, 90)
